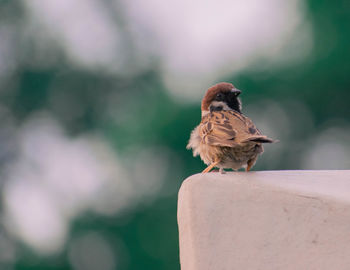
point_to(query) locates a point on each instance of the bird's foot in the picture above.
(210, 167)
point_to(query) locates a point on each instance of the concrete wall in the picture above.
(265, 220)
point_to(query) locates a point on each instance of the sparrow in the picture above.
(225, 138)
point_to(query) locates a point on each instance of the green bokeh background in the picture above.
(146, 236)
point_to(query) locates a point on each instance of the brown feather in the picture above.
(229, 128)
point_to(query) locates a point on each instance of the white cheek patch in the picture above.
(204, 113)
(240, 104)
(222, 104)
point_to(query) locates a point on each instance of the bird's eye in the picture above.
(219, 96)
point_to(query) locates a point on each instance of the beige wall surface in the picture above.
(267, 220)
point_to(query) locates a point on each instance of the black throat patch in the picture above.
(233, 102)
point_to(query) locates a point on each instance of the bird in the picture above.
(225, 138)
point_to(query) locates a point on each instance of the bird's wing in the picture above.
(229, 128)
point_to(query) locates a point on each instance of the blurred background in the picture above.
(98, 98)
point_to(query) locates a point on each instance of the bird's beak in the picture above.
(236, 91)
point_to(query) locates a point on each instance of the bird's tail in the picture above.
(260, 139)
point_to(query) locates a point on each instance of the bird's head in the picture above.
(221, 97)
